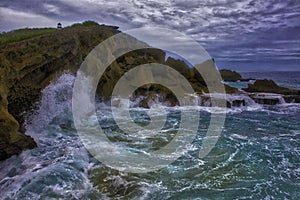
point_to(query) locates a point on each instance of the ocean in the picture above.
(289, 79)
(257, 155)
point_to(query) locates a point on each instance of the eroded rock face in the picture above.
(154, 94)
(11, 140)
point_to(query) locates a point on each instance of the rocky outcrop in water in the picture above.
(232, 76)
(267, 98)
(229, 75)
(269, 86)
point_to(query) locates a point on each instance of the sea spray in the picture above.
(255, 137)
(58, 168)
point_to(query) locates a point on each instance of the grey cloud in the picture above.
(228, 29)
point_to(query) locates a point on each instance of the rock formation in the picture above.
(229, 75)
(28, 66)
(232, 76)
(269, 86)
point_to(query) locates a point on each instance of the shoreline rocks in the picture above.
(267, 98)
(28, 66)
(233, 76)
(269, 86)
(230, 75)
(270, 91)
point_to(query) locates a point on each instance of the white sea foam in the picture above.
(60, 164)
(55, 101)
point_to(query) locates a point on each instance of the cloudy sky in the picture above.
(243, 35)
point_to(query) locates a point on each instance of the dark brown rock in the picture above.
(238, 103)
(229, 75)
(269, 86)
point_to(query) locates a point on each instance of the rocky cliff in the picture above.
(28, 66)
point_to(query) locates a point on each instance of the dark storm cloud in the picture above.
(236, 33)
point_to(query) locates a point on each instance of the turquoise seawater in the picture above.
(257, 156)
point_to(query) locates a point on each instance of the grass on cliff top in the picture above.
(23, 34)
(27, 33)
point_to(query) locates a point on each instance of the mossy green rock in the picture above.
(28, 66)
